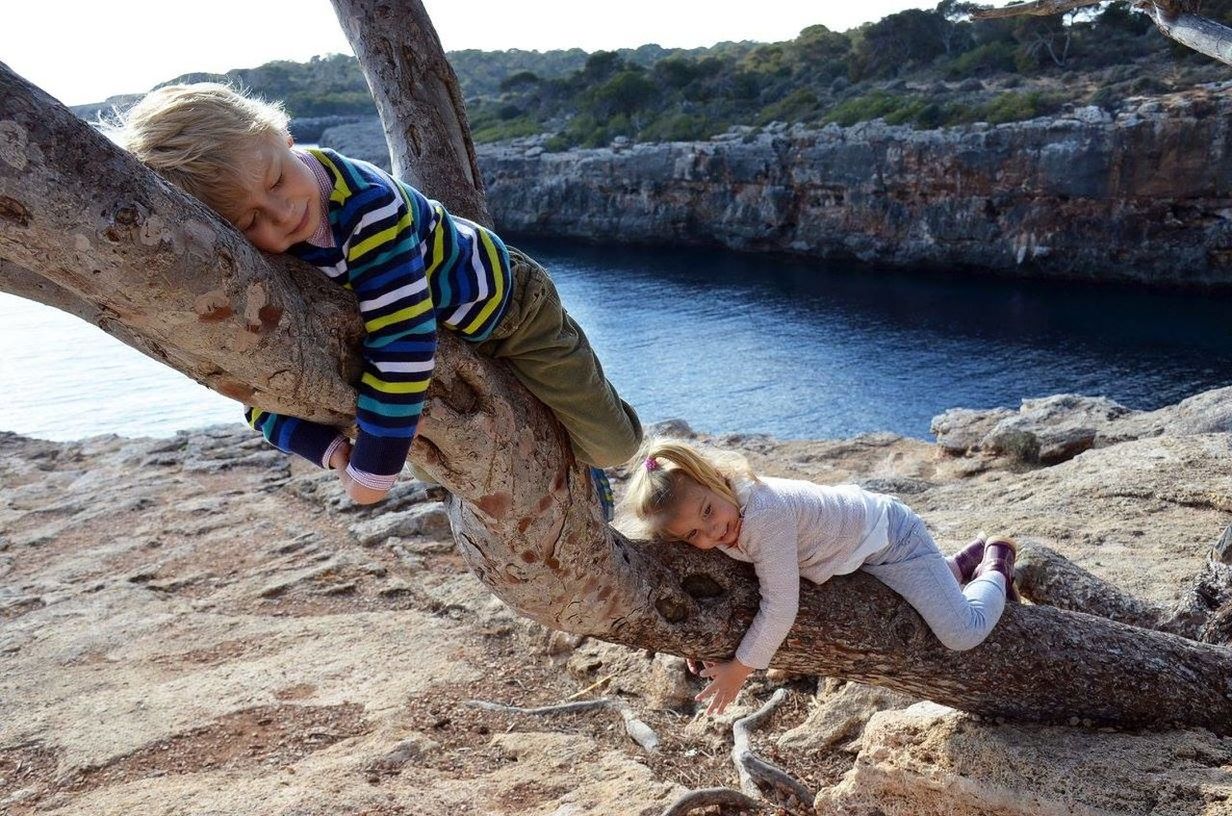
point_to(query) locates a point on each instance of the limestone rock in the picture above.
(929, 760)
(960, 430)
(839, 714)
(669, 686)
(429, 520)
(1035, 198)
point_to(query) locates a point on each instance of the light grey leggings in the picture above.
(912, 566)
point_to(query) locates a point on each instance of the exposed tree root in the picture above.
(756, 774)
(711, 797)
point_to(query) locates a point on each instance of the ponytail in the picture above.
(656, 478)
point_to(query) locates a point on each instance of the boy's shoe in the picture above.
(964, 562)
(999, 555)
(603, 489)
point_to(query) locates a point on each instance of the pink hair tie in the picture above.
(651, 464)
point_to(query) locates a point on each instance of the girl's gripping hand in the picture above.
(725, 682)
(358, 493)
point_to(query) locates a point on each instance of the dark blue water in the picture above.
(749, 344)
(729, 343)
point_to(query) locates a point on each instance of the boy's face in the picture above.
(279, 202)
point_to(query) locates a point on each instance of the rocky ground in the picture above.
(197, 625)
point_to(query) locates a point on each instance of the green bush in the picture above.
(918, 113)
(499, 130)
(875, 105)
(1016, 107)
(680, 127)
(990, 58)
(800, 105)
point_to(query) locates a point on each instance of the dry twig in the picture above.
(638, 731)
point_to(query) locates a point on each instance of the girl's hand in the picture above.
(360, 494)
(338, 460)
(696, 666)
(725, 682)
(341, 457)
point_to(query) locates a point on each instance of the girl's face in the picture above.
(703, 518)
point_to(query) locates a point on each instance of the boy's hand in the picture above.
(725, 682)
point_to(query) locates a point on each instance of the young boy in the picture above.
(412, 265)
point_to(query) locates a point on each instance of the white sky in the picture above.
(86, 50)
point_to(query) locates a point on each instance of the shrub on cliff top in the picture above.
(875, 105)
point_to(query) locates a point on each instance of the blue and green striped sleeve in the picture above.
(385, 268)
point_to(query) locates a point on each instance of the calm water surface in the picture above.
(729, 343)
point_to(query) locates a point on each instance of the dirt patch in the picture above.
(265, 736)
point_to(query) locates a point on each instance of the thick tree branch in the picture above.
(417, 96)
(1038, 8)
(1199, 33)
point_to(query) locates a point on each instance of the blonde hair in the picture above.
(661, 473)
(198, 136)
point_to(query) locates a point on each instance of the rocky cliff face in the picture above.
(1144, 196)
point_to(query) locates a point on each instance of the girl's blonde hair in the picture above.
(659, 477)
(197, 136)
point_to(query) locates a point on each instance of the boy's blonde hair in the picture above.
(660, 474)
(198, 136)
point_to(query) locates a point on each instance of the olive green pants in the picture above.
(551, 356)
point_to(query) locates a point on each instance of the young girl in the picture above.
(791, 529)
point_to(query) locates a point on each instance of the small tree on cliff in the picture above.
(85, 228)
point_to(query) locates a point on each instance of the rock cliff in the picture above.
(1145, 195)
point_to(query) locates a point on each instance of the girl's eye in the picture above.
(706, 512)
(278, 183)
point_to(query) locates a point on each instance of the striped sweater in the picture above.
(413, 267)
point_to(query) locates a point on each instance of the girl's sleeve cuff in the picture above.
(372, 480)
(329, 452)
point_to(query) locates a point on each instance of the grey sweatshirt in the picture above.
(795, 529)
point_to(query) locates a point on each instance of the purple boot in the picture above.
(964, 562)
(999, 554)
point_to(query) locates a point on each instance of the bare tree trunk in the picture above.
(1202, 613)
(1176, 19)
(106, 233)
(1199, 33)
(417, 95)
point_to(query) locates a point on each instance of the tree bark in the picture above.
(1203, 612)
(418, 98)
(106, 233)
(1199, 33)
